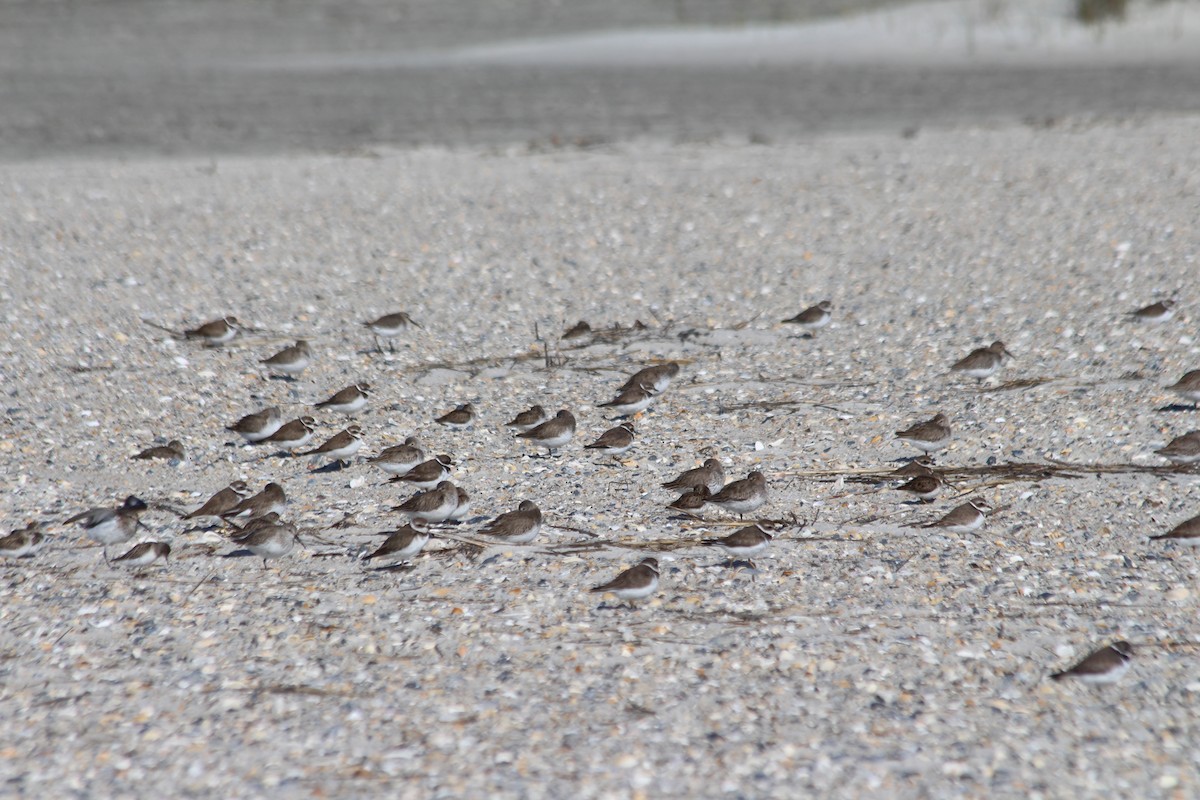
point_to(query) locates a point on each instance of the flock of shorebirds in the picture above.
(256, 523)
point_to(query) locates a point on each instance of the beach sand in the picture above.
(867, 655)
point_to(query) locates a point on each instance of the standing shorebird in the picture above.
(635, 583)
(388, 327)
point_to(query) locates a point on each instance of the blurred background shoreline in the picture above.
(209, 77)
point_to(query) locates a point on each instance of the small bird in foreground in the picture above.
(1188, 387)
(1155, 313)
(692, 501)
(553, 433)
(215, 333)
(290, 361)
(399, 458)
(294, 434)
(146, 553)
(402, 544)
(269, 540)
(1106, 665)
(459, 418)
(710, 475)
(432, 505)
(528, 420)
(270, 500)
(983, 362)
(171, 451)
(631, 401)
(389, 326)
(223, 501)
(614, 441)
(578, 330)
(813, 317)
(1186, 533)
(518, 527)
(929, 436)
(463, 508)
(744, 542)
(966, 518)
(23, 542)
(742, 497)
(111, 525)
(635, 583)
(924, 487)
(340, 446)
(259, 425)
(1183, 449)
(656, 378)
(349, 400)
(427, 474)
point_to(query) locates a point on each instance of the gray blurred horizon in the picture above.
(138, 77)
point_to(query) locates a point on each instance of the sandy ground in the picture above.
(866, 657)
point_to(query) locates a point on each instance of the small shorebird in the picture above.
(1106, 665)
(929, 436)
(982, 363)
(389, 326)
(635, 583)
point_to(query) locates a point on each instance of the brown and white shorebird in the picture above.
(742, 497)
(813, 317)
(389, 326)
(518, 527)
(614, 441)
(744, 542)
(924, 487)
(459, 418)
(710, 474)
(983, 362)
(144, 554)
(1186, 533)
(1106, 665)
(1183, 449)
(578, 330)
(111, 525)
(427, 474)
(1188, 387)
(921, 465)
(929, 436)
(294, 434)
(966, 518)
(271, 500)
(402, 544)
(1155, 313)
(340, 446)
(259, 425)
(636, 583)
(215, 333)
(349, 400)
(23, 542)
(431, 505)
(528, 419)
(223, 501)
(656, 378)
(399, 458)
(463, 508)
(290, 361)
(269, 540)
(171, 451)
(553, 433)
(631, 401)
(692, 501)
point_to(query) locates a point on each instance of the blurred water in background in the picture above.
(263, 76)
